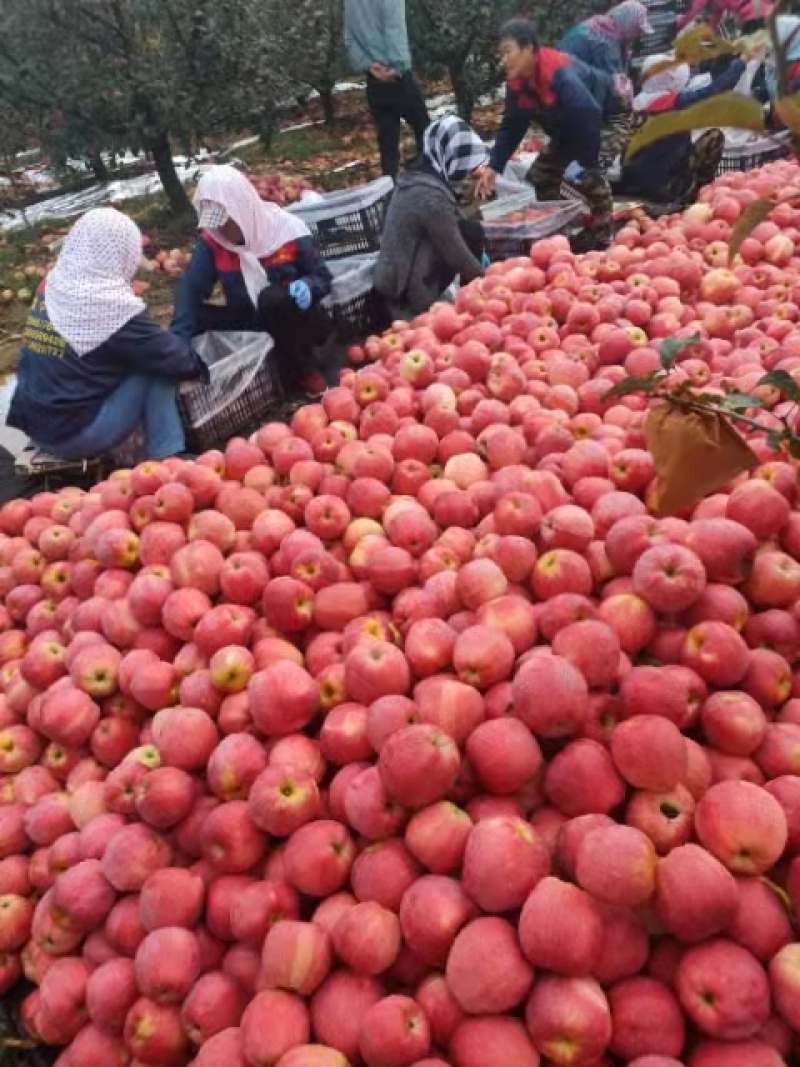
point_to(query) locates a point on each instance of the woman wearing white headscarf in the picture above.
(675, 168)
(94, 364)
(270, 271)
(427, 241)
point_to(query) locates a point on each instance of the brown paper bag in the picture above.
(695, 453)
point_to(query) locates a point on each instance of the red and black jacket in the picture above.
(567, 98)
(211, 263)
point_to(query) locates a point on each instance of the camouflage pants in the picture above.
(698, 169)
(592, 188)
(704, 161)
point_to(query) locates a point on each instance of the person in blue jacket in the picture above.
(270, 271)
(605, 41)
(94, 364)
(675, 168)
(581, 109)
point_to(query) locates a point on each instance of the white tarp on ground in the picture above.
(69, 205)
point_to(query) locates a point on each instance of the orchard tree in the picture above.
(143, 74)
(309, 35)
(458, 38)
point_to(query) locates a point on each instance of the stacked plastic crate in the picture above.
(662, 15)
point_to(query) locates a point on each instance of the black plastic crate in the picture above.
(506, 240)
(356, 309)
(350, 222)
(360, 316)
(750, 159)
(16, 1047)
(237, 403)
(661, 39)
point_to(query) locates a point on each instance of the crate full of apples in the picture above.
(280, 189)
(408, 734)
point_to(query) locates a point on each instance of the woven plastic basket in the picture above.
(244, 389)
(515, 237)
(355, 307)
(349, 222)
(663, 22)
(755, 154)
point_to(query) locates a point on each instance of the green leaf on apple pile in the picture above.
(696, 45)
(672, 347)
(740, 402)
(752, 216)
(727, 109)
(784, 382)
(644, 384)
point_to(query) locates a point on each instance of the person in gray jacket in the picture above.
(376, 39)
(427, 240)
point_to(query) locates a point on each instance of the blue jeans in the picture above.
(141, 399)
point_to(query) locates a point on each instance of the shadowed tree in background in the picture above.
(141, 74)
(310, 35)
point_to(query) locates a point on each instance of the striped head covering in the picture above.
(453, 150)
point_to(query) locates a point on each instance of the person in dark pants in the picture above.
(270, 271)
(674, 169)
(583, 111)
(377, 44)
(94, 365)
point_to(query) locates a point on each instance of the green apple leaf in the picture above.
(726, 109)
(740, 401)
(784, 382)
(672, 347)
(644, 384)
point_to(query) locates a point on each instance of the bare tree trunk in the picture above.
(161, 151)
(328, 100)
(98, 165)
(465, 97)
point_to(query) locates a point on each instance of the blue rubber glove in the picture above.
(301, 294)
(574, 172)
(485, 261)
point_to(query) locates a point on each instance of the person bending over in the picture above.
(605, 41)
(94, 365)
(582, 110)
(270, 270)
(427, 241)
(675, 168)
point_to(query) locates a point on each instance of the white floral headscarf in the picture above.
(88, 294)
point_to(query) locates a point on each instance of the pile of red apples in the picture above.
(408, 735)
